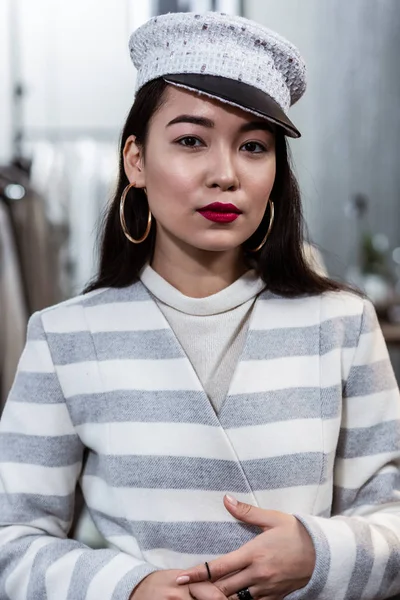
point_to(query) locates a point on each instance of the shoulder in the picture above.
(333, 318)
(72, 314)
(343, 304)
(333, 313)
(345, 318)
(338, 318)
(325, 306)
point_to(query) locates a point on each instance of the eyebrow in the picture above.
(204, 122)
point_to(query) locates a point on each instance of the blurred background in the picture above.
(66, 87)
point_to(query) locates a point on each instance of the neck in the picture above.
(198, 273)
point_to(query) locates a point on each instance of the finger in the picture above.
(235, 597)
(227, 564)
(252, 514)
(205, 591)
(252, 591)
(230, 585)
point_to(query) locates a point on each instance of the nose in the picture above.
(222, 171)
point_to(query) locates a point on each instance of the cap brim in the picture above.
(238, 93)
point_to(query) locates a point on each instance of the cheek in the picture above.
(260, 184)
(175, 185)
(270, 173)
(172, 184)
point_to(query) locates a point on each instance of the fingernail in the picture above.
(183, 579)
(231, 500)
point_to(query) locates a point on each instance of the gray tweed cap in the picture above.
(227, 57)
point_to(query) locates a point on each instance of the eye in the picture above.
(189, 141)
(189, 138)
(251, 145)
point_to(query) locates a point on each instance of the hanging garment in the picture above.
(48, 177)
(105, 394)
(37, 254)
(76, 179)
(13, 312)
(36, 251)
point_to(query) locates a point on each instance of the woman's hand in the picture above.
(161, 585)
(278, 561)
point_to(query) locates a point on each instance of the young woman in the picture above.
(231, 416)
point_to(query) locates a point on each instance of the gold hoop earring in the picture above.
(123, 222)
(271, 222)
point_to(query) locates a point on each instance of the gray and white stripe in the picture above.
(310, 426)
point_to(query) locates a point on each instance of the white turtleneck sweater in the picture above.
(211, 330)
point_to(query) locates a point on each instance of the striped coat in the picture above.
(105, 394)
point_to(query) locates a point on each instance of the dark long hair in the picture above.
(281, 262)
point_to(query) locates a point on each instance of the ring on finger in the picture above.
(244, 594)
(208, 571)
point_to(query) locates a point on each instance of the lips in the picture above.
(220, 212)
(220, 207)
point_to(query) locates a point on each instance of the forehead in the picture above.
(179, 100)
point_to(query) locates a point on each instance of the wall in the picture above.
(350, 115)
(74, 63)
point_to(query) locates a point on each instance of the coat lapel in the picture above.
(272, 414)
(197, 405)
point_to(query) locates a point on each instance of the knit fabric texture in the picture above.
(219, 44)
(105, 395)
(211, 330)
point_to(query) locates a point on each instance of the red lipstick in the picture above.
(220, 212)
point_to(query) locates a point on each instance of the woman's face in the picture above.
(200, 151)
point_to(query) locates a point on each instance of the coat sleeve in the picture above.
(358, 547)
(40, 463)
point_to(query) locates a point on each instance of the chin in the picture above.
(221, 241)
(217, 246)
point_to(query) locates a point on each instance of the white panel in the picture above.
(83, 378)
(168, 559)
(158, 504)
(36, 358)
(264, 375)
(35, 479)
(105, 581)
(29, 418)
(277, 439)
(64, 319)
(296, 499)
(126, 316)
(371, 348)
(16, 584)
(161, 439)
(367, 411)
(57, 586)
(381, 555)
(352, 473)
(343, 551)
(10, 534)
